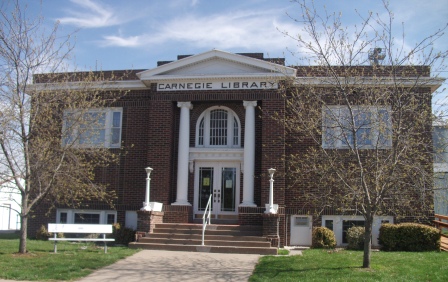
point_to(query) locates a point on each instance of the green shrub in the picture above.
(355, 238)
(412, 237)
(388, 237)
(123, 236)
(323, 238)
(42, 233)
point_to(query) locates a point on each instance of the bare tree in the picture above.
(361, 114)
(51, 141)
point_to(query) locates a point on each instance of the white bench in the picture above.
(80, 228)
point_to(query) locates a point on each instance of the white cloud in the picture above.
(243, 29)
(93, 15)
(130, 41)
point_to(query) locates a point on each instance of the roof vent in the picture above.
(376, 55)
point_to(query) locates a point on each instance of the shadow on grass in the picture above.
(320, 269)
(281, 271)
(9, 235)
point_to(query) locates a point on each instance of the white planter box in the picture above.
(153, 206)
(275, 208)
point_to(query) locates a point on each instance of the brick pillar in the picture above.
(146, 221)
(271, 228)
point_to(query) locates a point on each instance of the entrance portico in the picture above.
(221, 160)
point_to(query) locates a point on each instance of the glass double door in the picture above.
(221, 180)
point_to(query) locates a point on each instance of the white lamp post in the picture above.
(146, 205)
(271, 208)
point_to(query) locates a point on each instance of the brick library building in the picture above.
(200, 129)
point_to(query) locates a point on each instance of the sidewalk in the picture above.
(153, 265)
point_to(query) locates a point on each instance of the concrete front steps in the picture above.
(237, 239)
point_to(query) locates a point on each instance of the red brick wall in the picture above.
(149, 134)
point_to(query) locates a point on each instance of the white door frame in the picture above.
(217, 175)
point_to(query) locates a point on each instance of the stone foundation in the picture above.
(271, 228)
(147, 220)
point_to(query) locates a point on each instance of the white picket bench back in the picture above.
(80, 228)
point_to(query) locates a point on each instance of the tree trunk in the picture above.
(24, 224)
(23, 233)
(367, 242)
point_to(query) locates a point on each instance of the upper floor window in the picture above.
(93, 128)
(218, 127)
(366, 126)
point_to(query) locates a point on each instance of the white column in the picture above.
(182, 157)
(249, 155)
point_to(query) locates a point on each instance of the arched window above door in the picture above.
(218, 127)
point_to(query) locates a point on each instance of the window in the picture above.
(218, 127)
(111, 218)
(329, 224)
(86, 216)
(93, 128)
(366, 127)
(63, 217)
(346, 225)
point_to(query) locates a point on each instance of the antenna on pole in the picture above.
(375, 55)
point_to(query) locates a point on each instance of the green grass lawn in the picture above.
(72, 261)
(345, 265)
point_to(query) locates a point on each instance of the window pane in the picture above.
(63, 217)
(218, 128)
(205, 186)
(235, 131)
(364, 136)
(116, 120)
(69, 130)
(384, 128)
(330, 129)
(201, 133)
(347, 224)
(329, 224)
(87, 218)
(93, 128)
(370, 125)
(110, 218)
(228, 188)
(115, 136)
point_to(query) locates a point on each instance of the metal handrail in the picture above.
(206, 217)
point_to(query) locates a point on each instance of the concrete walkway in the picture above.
(153, 265)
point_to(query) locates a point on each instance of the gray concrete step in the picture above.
(218, 239)
(205, 249)
(207, 237)
(207, 242)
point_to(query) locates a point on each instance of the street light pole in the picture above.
(271, 191)
(146, 205)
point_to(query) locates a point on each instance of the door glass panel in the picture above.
(205, 186)
(228, 186)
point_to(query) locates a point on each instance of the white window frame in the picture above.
(72, 212)
(334, 117)
(231, 118)
(338, 225)
(75, 134)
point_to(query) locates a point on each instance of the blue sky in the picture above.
(120, 34)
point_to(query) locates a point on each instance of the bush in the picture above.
(123, 236)
(42, 233)
(323, 238)
(411, 237)
(355, 238)
(388, 237)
